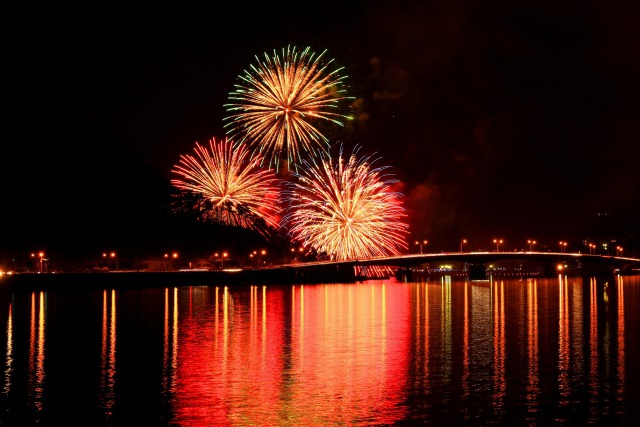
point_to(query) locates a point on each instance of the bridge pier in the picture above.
(404, 275)
(477, 272)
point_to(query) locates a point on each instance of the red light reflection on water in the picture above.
(107, 395)
(621, 347)
(36, 351)
(8, 368)
(510, 352)
(593, 343)
(533, 380)
(321, 354)
(499, 344)
(563, 339)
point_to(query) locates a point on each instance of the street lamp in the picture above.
(294, 256)
(224, 255)
(498, 242)
(168, 260)
(619, 250)
(423, 242)
(463, 242)
(114, 255)
(41, 255)
(531, 243)
(563, 247)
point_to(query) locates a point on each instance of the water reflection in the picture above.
(465, 344)
(531, 331)
(318, 345)
(37, 353)
(8, 364)
(107, 394)
(516, 352)
(621, 345)
(593, 348)
(170, 343)
(499, 344)
(563, 340)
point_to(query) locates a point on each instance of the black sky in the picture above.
(500, 119)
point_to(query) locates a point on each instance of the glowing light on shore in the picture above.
(346, 209)
(279, 99)
(227, 186)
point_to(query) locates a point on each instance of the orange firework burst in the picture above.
(347, 209)
(227, 186)
(274, 105)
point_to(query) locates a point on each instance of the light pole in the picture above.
(422, 242)
(498, 242)
(531, 243)
(168, 260)
(463, 242)
(619, 250)
(563, 247)
(224, 255)
(115, 256)
(41, 255)
(294, 255)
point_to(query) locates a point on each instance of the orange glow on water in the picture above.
(466, 363)
(593, 340)
(533, 377)
(621, 342)
(272, 348)
(563, 338)
(9, 353)
(36, 351)
(108, 354)
(499, 344)
(382, 352)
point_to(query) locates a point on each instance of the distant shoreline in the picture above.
(29, 282)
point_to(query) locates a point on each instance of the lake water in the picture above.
(560, 351)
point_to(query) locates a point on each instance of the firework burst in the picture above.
(346, 209)
(228, 186)
(278, 100)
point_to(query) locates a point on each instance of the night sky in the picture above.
(515, 120)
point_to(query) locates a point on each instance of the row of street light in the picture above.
(497, 242)
(562, 244)
(111, 255)
(258, 257)
(255, 256)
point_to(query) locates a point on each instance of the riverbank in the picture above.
(29, 282)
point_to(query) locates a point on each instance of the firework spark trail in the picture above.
(276, 101)
(346, 209)
(228, 186)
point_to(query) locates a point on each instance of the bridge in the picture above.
(475, 266)
(476, 263)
